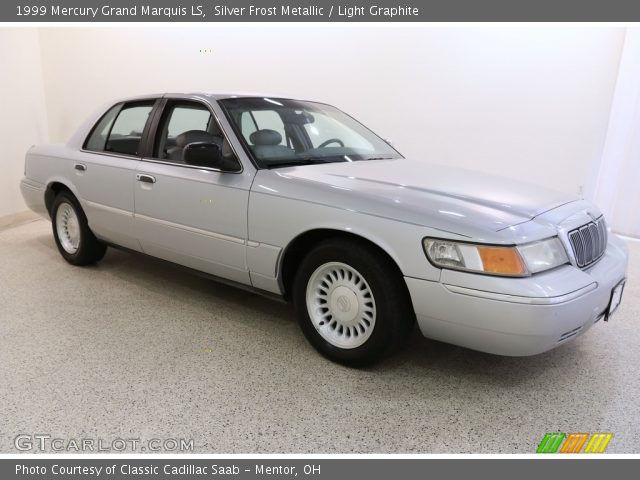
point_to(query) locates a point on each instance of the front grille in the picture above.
(589, 242)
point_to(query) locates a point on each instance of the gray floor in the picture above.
(133, 348)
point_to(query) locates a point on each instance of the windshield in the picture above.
(279, 132)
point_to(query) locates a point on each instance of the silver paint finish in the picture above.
(195, 216)
(33, 195)
(451, 199)
(517, 299)
(238, 226)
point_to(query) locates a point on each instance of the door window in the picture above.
(120, 129)
(184, 123)
(98, 137)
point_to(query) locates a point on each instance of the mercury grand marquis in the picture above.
(298, 200)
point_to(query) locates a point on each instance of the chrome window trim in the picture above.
(161, 162)
(112, 154)
(196, 167)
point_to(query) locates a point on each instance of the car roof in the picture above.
(215, 95)
(222, 95)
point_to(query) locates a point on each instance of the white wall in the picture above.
(22, 110)
(524, 102)
(519, 101)
(616, 178)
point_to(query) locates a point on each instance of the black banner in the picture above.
(317, 469)
(319, 11)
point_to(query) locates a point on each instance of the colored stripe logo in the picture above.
(598, 442)
(551, 442)
(559, 442)
(574, 442)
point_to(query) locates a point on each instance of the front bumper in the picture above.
(484, 313)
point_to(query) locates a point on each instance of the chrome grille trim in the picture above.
(589, 242)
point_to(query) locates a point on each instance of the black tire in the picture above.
(394, 316)
(89, 249)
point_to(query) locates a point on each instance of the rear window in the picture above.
(120, 129)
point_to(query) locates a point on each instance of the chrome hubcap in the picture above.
(68, 227)
(341, 305)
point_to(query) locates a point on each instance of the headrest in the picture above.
(265, 137)
(191, 136)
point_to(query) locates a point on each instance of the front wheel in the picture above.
(351, 302)
(75, 241)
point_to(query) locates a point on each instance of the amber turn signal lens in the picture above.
(502, 260)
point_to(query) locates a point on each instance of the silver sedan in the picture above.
(298, 200)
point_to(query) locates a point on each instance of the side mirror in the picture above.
(203, 154)
(389, 141)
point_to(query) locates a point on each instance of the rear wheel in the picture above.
(351, 302)
(75, 241)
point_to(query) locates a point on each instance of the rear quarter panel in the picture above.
(46, 164)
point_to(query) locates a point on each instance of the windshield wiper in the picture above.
(380, 158)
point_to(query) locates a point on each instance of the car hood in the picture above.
(447, 198)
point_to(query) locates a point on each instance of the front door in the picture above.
(187, 213)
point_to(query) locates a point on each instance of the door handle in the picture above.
(142, 177)
(80, 166)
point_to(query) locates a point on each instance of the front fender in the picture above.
(277, 221)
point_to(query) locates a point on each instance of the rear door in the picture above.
(105, 169)
(190, 214)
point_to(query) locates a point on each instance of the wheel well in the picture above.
(299, 246)
(53, 189)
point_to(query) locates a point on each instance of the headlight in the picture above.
(517, 261)
(543, 255)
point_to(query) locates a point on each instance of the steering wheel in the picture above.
(330, 141)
